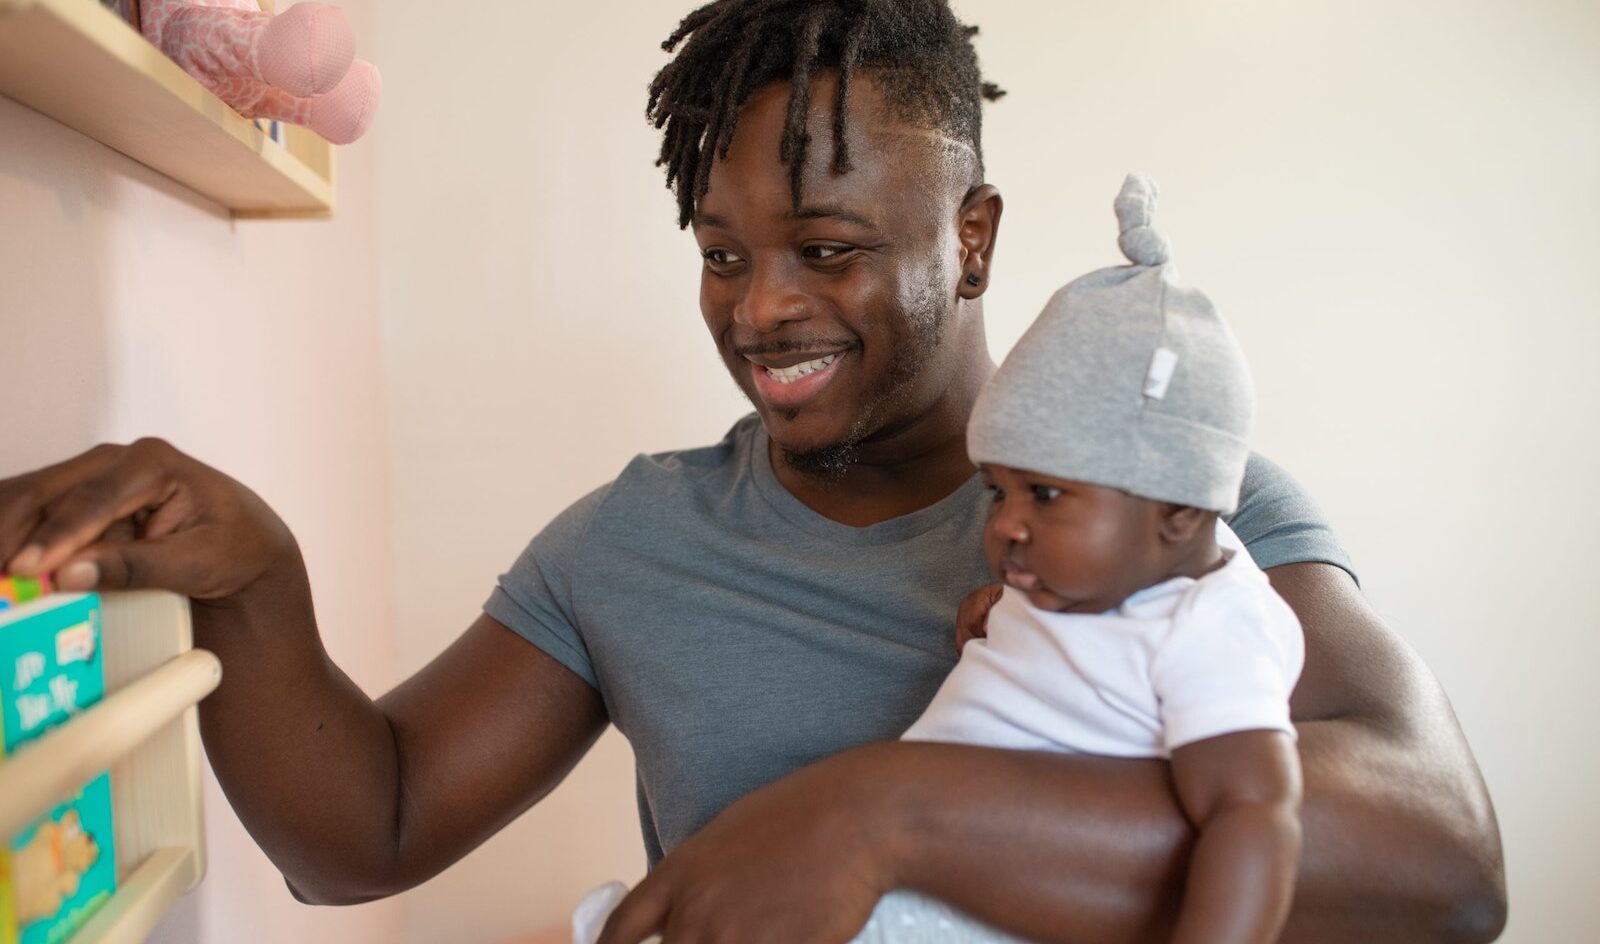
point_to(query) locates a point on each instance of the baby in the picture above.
(1132, 623)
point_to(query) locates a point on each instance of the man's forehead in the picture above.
(888, 154)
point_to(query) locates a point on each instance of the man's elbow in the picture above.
(350, 886)
(1464, 887)
(337, 893)
(1476, 912)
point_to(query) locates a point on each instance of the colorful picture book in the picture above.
(62, 866)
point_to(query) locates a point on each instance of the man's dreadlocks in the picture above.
(918, 52)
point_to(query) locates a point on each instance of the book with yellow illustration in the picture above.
(58, 870)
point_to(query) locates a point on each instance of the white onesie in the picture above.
(1177, 662)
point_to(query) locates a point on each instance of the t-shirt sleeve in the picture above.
(1229, 663)
(1280, 524)
(534, 598)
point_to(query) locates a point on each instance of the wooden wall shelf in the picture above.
(80, 64)
(146, 733)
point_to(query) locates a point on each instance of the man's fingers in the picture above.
(641, 914)
(24, 498)
(81, 515)
(163, 564)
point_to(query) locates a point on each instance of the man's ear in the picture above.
(1180, 523)
(978, 225)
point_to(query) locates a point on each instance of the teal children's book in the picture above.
(62, 866)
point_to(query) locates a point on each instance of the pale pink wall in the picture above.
(130, 307)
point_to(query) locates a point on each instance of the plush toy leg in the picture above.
(305, 51)
(341, 116)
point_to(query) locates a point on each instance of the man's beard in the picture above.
(928, 318)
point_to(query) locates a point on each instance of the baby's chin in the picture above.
(1042, 596)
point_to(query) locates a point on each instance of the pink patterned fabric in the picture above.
(297, 67)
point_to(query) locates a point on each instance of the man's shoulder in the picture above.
(1280, 523)
(663, 487)
(727, 455)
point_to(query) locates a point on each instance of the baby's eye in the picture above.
(1044, 494)
(996, 493)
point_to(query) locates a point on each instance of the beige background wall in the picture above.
(131, 307)
(1392, 203)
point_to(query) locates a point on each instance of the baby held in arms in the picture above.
(1132, 622)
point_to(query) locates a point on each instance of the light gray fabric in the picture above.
(908, 918)
(736, 635)
(1080, 396)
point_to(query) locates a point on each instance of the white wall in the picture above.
(1393, 203)
(131, 307)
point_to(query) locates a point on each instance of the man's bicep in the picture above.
(1356, 668)
(482, 732)
(1395, 808)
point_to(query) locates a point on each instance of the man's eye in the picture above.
(1044, 494)
(824, 253)
(719, 257)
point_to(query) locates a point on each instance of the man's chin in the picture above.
(820, 453)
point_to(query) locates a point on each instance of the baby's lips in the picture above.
(1020, 579)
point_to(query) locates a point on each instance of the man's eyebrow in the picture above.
(708, 219)
(830, 211)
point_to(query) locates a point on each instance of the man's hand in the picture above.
(798, 861)
(140, 516)
(972, 617)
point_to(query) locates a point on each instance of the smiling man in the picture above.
(764, 616)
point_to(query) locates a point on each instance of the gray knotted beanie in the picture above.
(1127, 379)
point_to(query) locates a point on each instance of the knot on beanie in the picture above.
(1128, 379)
(1136, 209)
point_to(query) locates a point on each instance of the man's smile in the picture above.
(791, 379)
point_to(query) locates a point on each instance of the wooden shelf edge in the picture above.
(71, 755)
(80, 64)
(142, 898)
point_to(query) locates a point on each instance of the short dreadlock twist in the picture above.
(919, 53)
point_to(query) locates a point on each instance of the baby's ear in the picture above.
(1180, 523)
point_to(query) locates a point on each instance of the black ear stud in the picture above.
(972, 279)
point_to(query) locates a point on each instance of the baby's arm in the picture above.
(1242, 792)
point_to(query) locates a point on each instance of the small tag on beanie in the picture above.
(1162, 364)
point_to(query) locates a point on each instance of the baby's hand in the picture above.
(972, 617)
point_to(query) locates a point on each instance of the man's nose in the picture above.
(772, 298)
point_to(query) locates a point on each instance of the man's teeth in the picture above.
(786, 375)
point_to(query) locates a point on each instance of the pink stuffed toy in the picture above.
(298, 67)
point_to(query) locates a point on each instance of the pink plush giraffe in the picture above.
(298, 67)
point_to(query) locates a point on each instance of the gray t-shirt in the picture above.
(737, 635)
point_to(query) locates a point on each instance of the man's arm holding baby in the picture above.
(1400, 841)
(1242, 793)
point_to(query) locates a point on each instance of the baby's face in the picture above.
(1070, 546)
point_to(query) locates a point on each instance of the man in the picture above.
(763, 616)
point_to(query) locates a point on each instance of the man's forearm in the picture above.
(1073, 848)
(304, 756)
